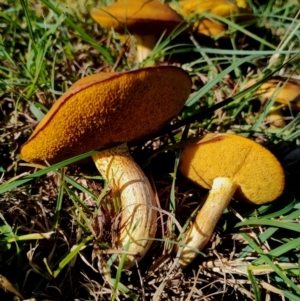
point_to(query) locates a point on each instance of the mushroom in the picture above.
(143, 18)
(230, 166)
(286, 93)
(105, 109)
(222, 8)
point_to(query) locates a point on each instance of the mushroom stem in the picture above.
(138, 218)
(144, 46)
(275, 117)
(202, 228)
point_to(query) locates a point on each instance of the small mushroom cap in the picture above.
(209, 28)
(256, 171)
(284, 91)
(108, 108)
(141, 17)
(221, 8)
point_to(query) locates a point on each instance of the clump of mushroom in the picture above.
(105, 109)
(230, 166)
(222, 8)
(146, 20)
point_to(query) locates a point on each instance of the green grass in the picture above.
(57, 222)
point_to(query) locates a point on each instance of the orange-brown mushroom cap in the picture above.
(255, 170)
(142, 17)
(108, 108)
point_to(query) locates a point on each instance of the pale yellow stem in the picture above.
(137, 225)
(202, 228)
(275, 117)
(144, 45)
